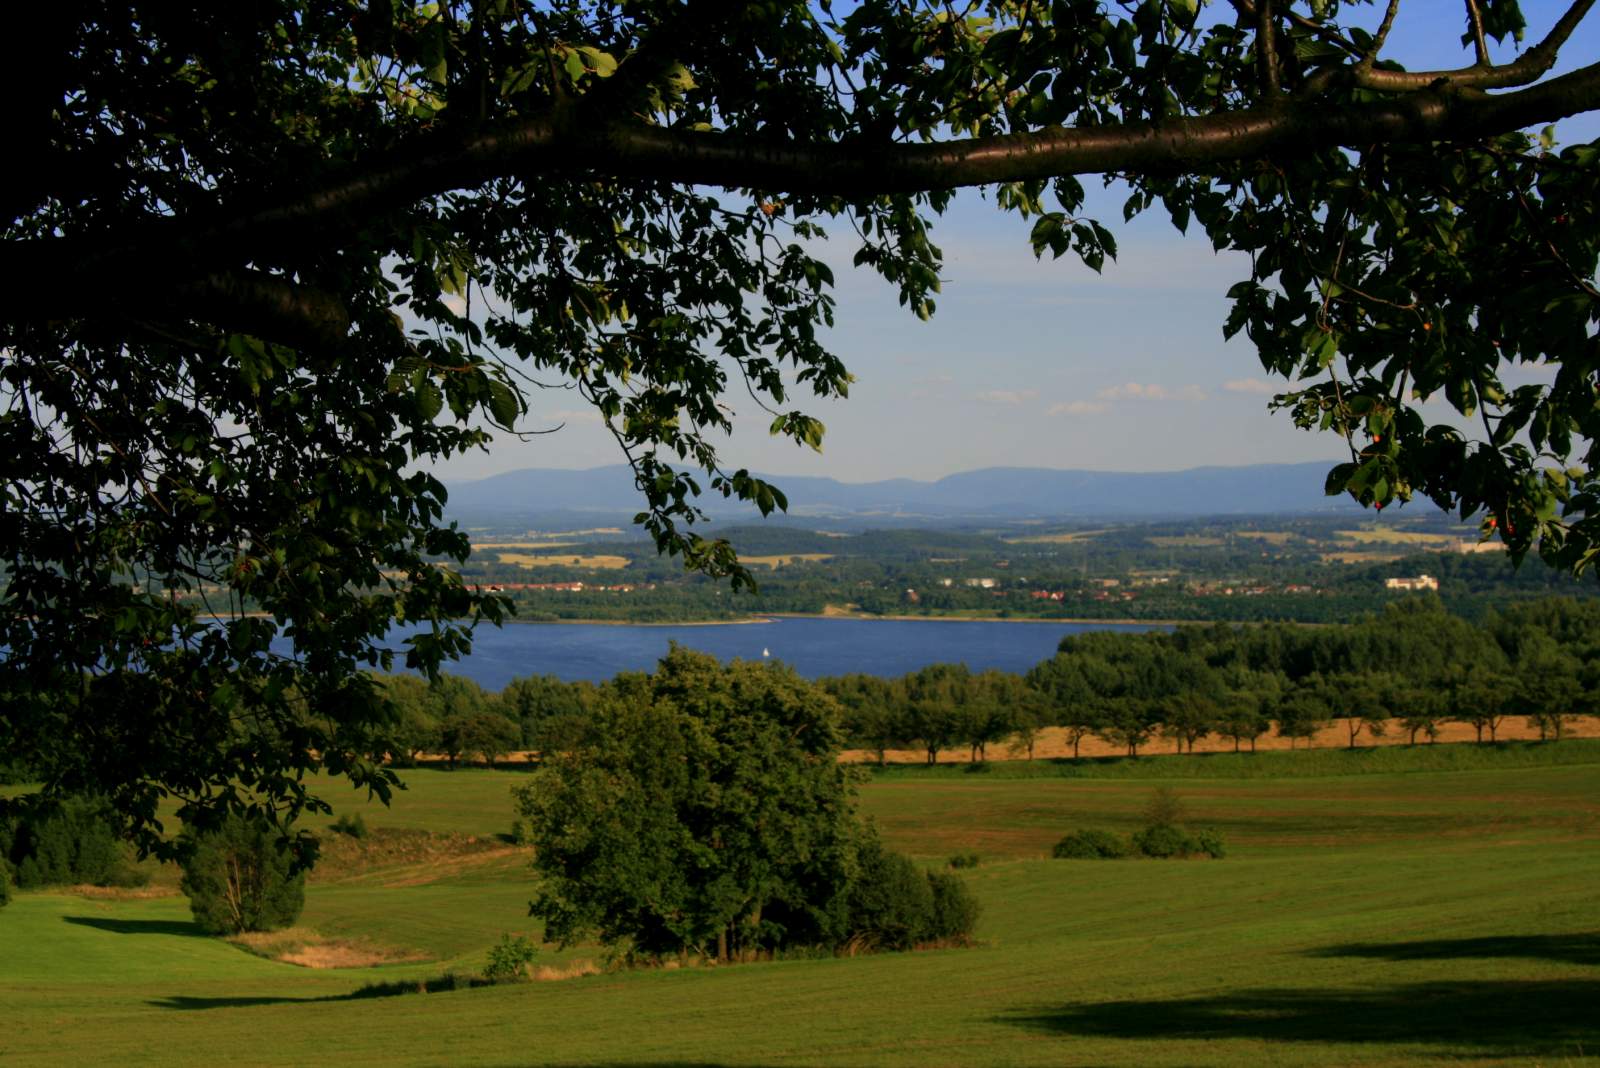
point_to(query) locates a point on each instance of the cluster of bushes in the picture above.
(75, 842)
(894, 905)
(1163, 837)
(1162, 842)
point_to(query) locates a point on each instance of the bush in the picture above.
(1090, 845)
(5, 884)
(964, 860)
(893, 904)
(510, 958)
(1209, 842)
(955, 910)
(238, 878)
(890, 900)
(1163, 840)
(76, 842)
(1164, 809)
(352, 825)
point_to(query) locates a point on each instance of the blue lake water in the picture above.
(813, 647)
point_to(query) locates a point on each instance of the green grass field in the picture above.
(1398, 916)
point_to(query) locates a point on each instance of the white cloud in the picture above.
(1151, 392)
(1079, 408)
(1252, 385)
(1007, 396)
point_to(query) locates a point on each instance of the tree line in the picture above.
(1413, 662)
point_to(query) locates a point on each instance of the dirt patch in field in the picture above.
(122, 893)
(549, 973)
(305, 948)
(1053, 744)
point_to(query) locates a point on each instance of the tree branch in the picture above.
(1525, 70)
(189, 263)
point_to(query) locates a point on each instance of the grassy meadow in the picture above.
(1430, 910)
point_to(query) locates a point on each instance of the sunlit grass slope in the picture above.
(1381, 918)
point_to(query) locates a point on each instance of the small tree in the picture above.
(239, 877)
(485, 735)
(1129, 722)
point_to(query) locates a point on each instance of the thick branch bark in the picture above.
(195, 256)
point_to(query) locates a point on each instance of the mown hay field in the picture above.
(1411, 917)
(784, 559)
(604, 562)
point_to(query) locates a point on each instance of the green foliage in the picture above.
(1165, 808)
(891, 899)
(895, 905)
(955, 910)
(1162, 840)
(703, 811)
(965, 860)
(240, 877)
(486, 736)
(208, 387)
(1209, 841)
(74, 842)
(1091, 845)
(5, 883)
(511, 957)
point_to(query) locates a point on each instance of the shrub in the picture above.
(893, 904)
(510, 958)
(238, 878)
(964, 860)
(890, 900)
(352, 825)
(1164, 809)
(1090, 845)
(955, 910)
(5, 884)
(1209, 842)
(76, 842)
(1164, 840)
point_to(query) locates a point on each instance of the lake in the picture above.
(813, 647)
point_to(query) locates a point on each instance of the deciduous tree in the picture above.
(266, 262)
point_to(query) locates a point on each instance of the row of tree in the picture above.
(1414, 662)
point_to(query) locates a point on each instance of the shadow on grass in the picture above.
(1509, 1016)
(185, 928)
(1564, 949)
(180, 1001)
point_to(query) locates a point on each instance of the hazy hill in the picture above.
(990, 493)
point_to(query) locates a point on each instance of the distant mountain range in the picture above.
(993, 493)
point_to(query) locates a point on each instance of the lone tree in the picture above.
(702, 810)
(266, 261)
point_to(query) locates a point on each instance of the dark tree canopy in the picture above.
(266, 261)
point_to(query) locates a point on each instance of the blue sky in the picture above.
(1040, 363)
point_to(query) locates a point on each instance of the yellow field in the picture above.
(1054, 539)
(1387, 536)
(1053, 742)
(1271, 537)
(784, 559)
(604, 563)
(520, 544)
